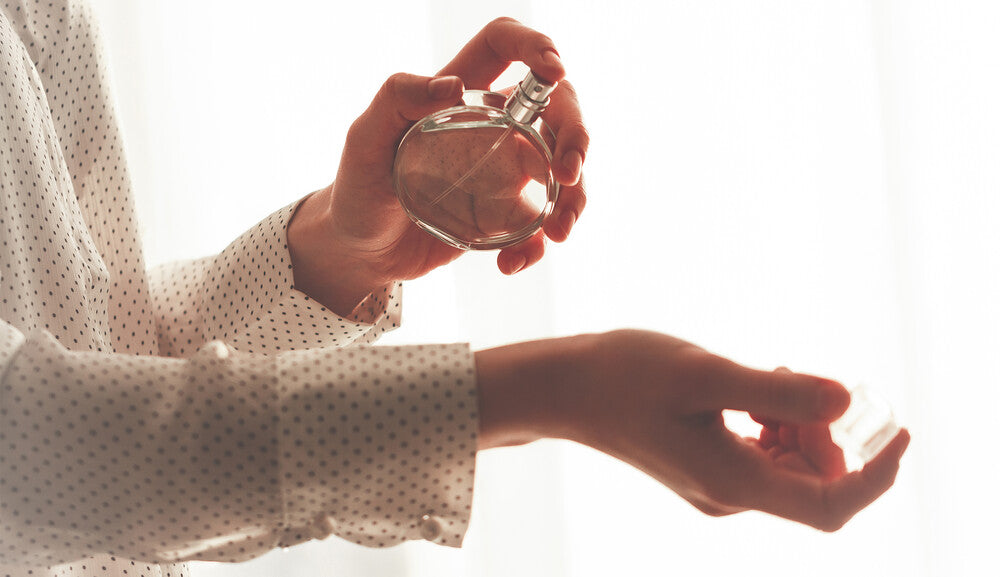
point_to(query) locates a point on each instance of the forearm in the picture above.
(529, 391)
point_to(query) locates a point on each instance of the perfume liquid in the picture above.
(478, 175)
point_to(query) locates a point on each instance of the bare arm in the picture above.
(656, 403)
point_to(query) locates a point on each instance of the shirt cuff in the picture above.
(378, 444)
(296, 321)
(268, 314)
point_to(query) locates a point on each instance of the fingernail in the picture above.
(550, 58)
(573, 160)
(567, 219)
(443, 87)
(521, 261)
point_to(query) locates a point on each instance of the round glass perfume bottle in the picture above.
(478, 175)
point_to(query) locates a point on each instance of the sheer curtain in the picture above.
(811, 184)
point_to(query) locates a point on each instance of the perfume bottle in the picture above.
(865, 428)
(478, 175)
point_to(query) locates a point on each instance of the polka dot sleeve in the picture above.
(381, 441)
(245, 296)
(128, 430)
(225, 455)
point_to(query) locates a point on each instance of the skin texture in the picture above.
(648, 399)
(656, 403)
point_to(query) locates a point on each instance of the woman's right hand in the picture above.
(353, 237)
(656, 403)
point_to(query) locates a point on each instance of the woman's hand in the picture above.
(656, 403)
(354, 237)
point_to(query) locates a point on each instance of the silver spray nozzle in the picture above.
(529, 99)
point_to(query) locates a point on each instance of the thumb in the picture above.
(781, 395)
(402, 100)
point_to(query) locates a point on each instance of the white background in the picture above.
(803, 183)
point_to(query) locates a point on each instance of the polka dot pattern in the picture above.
(245, 296)
(207, 410)
(380, 438)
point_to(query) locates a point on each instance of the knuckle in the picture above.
(360, 126)
(397, 90)
(579, 132)
(567, 87)
(356, 127)
(392, 84)
(569, 94)
(501, 21)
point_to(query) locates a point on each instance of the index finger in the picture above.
(789, 398)
(499, 43)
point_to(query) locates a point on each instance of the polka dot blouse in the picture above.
(207, 409)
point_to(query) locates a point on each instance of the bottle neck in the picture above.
(529, 99)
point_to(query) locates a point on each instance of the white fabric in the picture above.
(116, 458)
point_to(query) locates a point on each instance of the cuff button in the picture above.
(431, 529)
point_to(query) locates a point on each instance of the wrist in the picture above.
(321, 266)
(529, 391)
